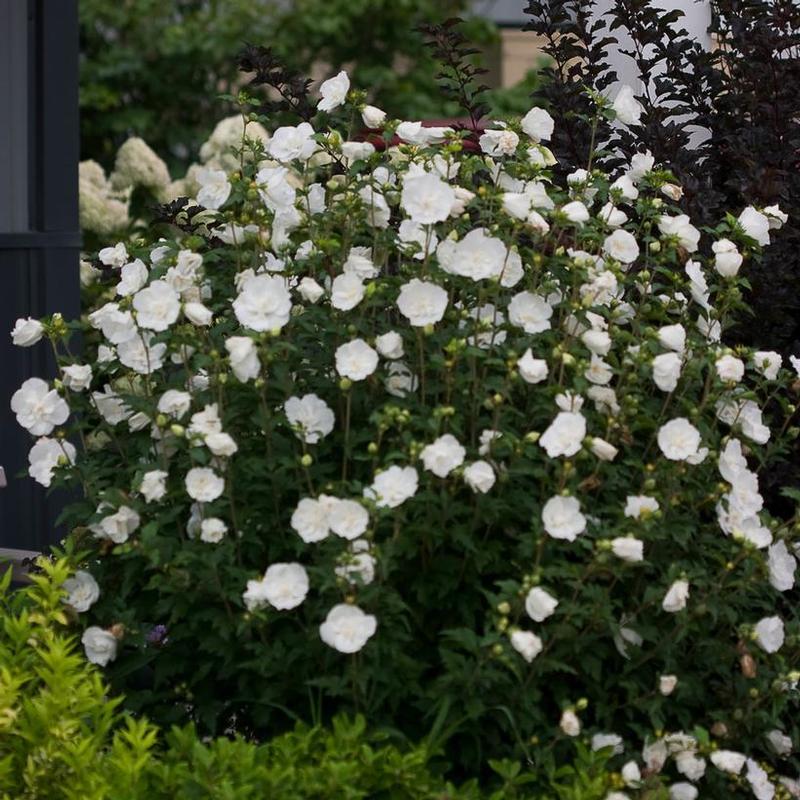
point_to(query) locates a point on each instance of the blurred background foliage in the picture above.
(156, 69)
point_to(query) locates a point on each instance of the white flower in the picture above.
(417, 133)
(728, 761)
(780, 742)
(347, 518)
(310, 416)
(390, 345)
(140, 355)
(421, 302)
(598, 371)
(310, 519)
(729, 369)
(203, 484)
(289, 143)
(538, 124)
(82, 591)
(627, 108)
(46, 455)
(631, 774)
(77, 377)
(500, 142)
(157, 306)
(116, 256)
(393, 486)
(426, 198)
(562, 518)
(688, 236)
(198, 314)
(565, 434)
(604, 450)
(347, 628)
(479, 476)
(627, 548)
(576, 212)
(485, 441)
(727, 258)
(673, 337)
(755, 225)
(477, 256)
(154, 485)
(682, 791)
(221, 444)
(622, 245)
(768, 363)
(212, 530)
(603, 740)
(264, 303)
(641, 164)
(769, 634)
(359, 263)
(277, 193)
(539, 604)
(599, 342)
(215, 188)
(373, 117)
(110, 405)
(530, 312)
(378, 211)
(569, 723)
(117, 527)
(285, 586)
(358, 564)
(411, 232)
(676, 597)
(347, 291)
(527, 644)
(38, 407)
(667, 684)
(356, 360)
(782, 566)
(532, 370)
(100, 645)
(27, 332)
(678, 439)
(690, 765)
(310, 290)
(174, 403)
(640, 506)
(759, 781)
(667, 371)
(443, 455)
(614, 217)
(255, 595)
(243, 357)
(334, 92)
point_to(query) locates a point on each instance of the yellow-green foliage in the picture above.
(60, 736)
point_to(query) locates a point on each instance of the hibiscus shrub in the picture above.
(421, 431)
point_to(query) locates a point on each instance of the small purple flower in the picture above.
(157, 635)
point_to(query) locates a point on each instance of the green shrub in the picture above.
(63, 738)
(431, 434)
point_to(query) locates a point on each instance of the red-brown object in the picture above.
(375, 138)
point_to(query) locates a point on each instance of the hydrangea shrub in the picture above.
(420, 431)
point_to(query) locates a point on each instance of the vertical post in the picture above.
(39, 231)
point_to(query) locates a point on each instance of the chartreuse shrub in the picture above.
(61, 736)
(426, 432)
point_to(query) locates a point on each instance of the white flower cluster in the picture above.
(364, 362)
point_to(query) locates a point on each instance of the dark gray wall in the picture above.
(39, 237)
